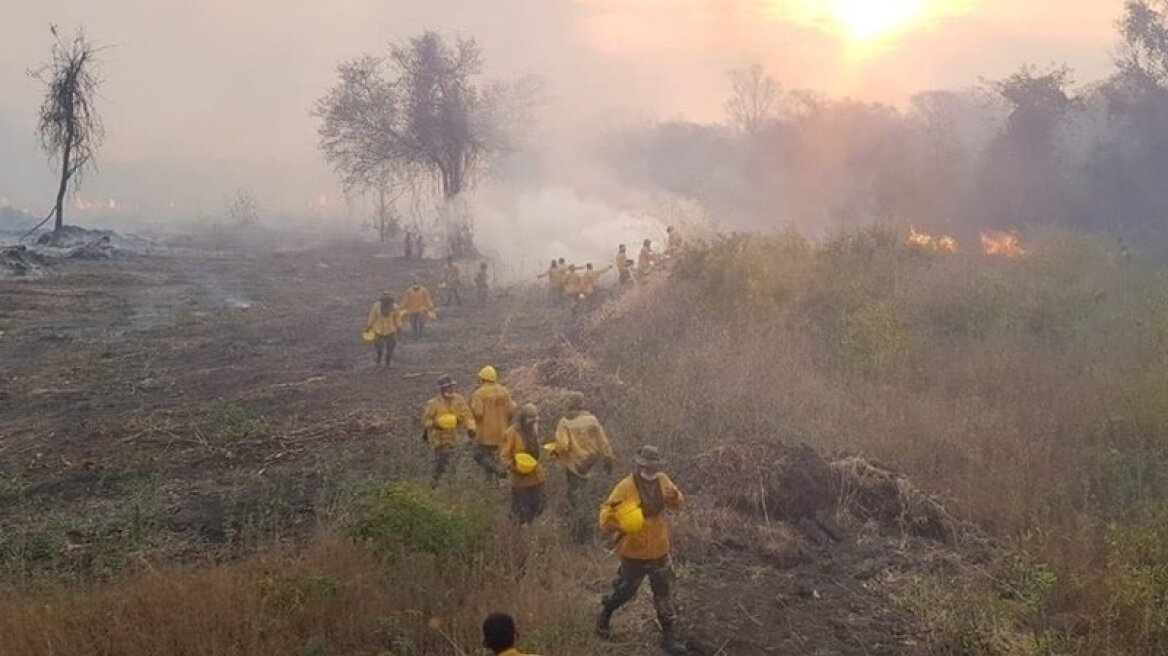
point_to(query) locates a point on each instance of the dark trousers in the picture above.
(452, 296)
(417, 324)
(581, 504)
(487, 457)
(444, 463)
(482, 291)
(385, 344)
(626, 277)
(628, 581)
(527, 503)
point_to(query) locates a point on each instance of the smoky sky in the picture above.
(202, 96)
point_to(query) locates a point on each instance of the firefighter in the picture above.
(382, 325)
(492, 407)
(451, 283)
(480, 282)
(673, 241)
(418, 306)
(646, 258)
(624, 266)
(519, 455)
(553, 277)
(635, 514)
(581, 444)
(444, 416)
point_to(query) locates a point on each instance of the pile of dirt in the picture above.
(21, 261)
(549, 383)
(766, 479)
(872, 493)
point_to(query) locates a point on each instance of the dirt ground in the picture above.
(179, 406)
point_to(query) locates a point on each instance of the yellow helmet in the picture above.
(447, 421)
(630, 518)
(488, 374)
(525, 463)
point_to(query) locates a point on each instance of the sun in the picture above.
(865, 20)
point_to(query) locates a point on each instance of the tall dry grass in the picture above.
(1030, 394)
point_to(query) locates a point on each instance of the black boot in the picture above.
(670, 643)
(602, 623)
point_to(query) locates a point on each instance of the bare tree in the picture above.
(754, 99)
(416, 117)
(243, 209)
(1142, 58)
(70, 128)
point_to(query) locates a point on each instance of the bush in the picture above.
(402, 518)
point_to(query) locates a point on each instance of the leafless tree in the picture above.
(754, 99)
(70, 128)
(1142, 58)
(417, 118)
(243, 209)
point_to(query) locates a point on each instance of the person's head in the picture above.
(622, 248)
(386, 300)
(446, 385)
(528, 416)
(563, 261)
(669, 229)
(649, 462)
(575, 402)
(553, 262)
(414, 281)
(571, 268)
(647, 243)
(588, 266)
(499, 632)
(488, 374)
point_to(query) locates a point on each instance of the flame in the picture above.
(1003, 244)
(943, 243)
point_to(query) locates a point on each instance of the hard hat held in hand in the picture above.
(488, 374)
(446, 421)
(368, 336)
(630, 518)
(524, 463)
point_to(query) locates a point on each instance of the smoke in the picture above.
(523, 231)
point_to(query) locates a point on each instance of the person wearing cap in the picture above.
(624, 266)
(417, 305)
(646, 258)
(442, 419)
(581, 444)
(644, 552)
(492, 406)
(673, 241)
(481, 286)
(451, 283)
(500, 635)
(521, 443)
(383, 322)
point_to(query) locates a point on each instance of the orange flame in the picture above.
(1002, 244)
(943, 243)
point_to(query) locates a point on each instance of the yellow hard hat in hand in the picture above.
(630, 518)
(446, 421)
(525, 463)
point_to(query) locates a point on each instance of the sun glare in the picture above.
(864, 20)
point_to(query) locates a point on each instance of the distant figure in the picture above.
(481, 284)
(420, 247)
(499, 635)
(553, 276)
(581, 444)
(673, 241)
(573, 284)
(409, 244)
(418, 306)
(591, 279)
(646, 258)
(624, 266)
(382, 325)
(451, 282)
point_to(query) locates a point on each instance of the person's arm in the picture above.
(468, 420)
(561, 439)
(507, 450)
(672, 495)
(477, 407)
(605, 448)
(428, 415)
(372, 316)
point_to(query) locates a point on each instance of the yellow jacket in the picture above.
(492, 406)
(580, 443)
(417, 300)
(452, 276)
(512, 445)
(623, 263)
(439, 405)
(573, 283)
(555, 276)
(589, 280)
(644, 259)
(652, 541)
(383, 324)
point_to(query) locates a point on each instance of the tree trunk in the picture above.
(60, 208)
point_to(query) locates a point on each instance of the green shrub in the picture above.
(402, 518)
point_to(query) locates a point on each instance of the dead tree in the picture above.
(70, 128)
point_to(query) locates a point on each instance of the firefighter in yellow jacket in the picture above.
(492, 407)
(635, 513)
(646, 258)
(581, 444)
(382, 325)
(418, 306)
(444, 416)
(519, 455)
(553, 277)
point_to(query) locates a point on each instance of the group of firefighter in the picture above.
(505, 442)
(578, 285)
